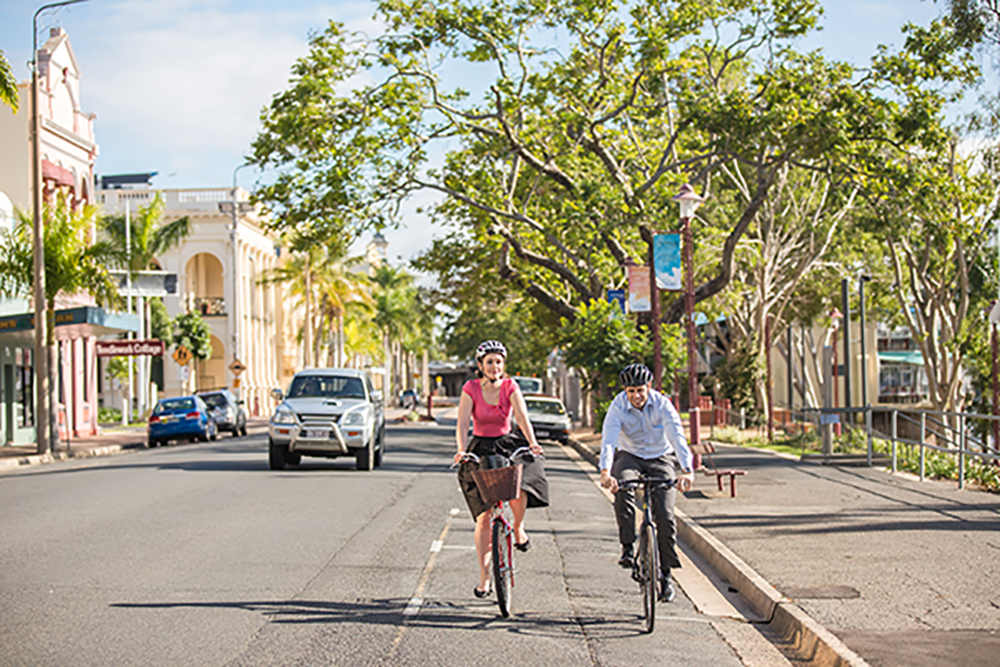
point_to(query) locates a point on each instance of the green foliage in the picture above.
(602, 341)
(108, 415)
(161, 328)
(117, 367)
(8, 83)
(737, 376)
(147, 234)
(191, 331)
(74, 263)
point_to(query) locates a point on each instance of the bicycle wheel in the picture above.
(649, 574)
(503, 566)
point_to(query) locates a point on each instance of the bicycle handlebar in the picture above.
(645, 481)
(520, 451)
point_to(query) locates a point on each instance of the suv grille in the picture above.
(319, 418)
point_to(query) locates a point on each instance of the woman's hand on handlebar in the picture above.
(536, 449)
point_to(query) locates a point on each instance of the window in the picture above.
(24, 388)
(326, 386)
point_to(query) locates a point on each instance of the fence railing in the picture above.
(950, 433)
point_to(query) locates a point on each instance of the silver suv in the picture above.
(328, 412)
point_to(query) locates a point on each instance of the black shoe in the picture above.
(523, 546)
(628, 559)
(480, 594)
(667, 592)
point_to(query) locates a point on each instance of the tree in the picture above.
(148, 236)
(562, 163)
(74, 263)
(8, 83)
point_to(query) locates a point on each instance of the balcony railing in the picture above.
(209, 305)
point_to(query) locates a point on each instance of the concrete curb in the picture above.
(807, 638)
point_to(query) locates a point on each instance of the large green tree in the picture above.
(576, 123)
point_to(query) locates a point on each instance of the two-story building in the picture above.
(68, 153)
(221, 274)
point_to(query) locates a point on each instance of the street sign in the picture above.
(129, 348)
(182, 355)
(237, 367)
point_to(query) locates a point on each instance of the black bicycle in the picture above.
(646, 569)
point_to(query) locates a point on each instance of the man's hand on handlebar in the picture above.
(609, 482)
(685, 481)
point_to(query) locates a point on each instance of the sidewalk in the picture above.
(851, 564)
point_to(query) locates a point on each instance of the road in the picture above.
(199, 555)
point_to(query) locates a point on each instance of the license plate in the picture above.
(541, 434)
(316, 433)
(166, 420)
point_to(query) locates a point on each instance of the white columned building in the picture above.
(205, 268)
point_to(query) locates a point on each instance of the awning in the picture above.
(70, 323)
(910, 357)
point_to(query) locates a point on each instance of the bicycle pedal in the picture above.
(637, 576)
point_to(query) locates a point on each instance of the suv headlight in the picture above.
(353, 418)
(283, 415)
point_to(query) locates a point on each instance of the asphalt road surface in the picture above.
(200, 555)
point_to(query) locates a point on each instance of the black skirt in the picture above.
(533, 480)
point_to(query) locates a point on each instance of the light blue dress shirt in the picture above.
(648, 433)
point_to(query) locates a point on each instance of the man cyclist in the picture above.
(643, 434)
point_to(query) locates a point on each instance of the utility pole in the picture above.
(45, 423)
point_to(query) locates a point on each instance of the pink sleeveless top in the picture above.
(490, 421)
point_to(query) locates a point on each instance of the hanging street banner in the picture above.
(667, 260)
(638, 289)
(130, 348)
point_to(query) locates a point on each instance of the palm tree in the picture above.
(74, 263)
(8, 83)
(319, 276)
(148, 235)
(406, 323)
(146, 238)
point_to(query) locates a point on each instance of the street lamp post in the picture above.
(43, 399)
(689, 201)
(835, 318)
(236, 208)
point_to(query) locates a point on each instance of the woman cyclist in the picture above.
(489, 400)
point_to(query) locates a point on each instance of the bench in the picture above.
(705, 449)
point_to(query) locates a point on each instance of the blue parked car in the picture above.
(186, 417)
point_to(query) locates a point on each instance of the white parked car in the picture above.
(548, 417)
(328, 412)
(528, 385)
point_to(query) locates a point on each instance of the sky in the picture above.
(178, 85)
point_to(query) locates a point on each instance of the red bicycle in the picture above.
(498, 485)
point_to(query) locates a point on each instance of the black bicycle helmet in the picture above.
(636, 375)
(490, 347)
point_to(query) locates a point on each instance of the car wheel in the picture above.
(293, 458)
(366, 455)
(214, 435)
(243, 431)
(276, 456)
(153, 442)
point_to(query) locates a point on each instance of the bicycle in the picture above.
(497, 486)
(646, 568)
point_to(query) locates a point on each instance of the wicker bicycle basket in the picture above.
(499, 484)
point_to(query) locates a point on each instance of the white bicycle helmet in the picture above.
(490, 347)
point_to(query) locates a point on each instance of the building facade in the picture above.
(68, 153)
(221, 275)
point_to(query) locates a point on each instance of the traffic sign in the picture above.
(237, 367)
(182, 355)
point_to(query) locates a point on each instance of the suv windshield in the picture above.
(326, 386)
(215, 400)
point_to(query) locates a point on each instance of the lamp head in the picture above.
(689, 200)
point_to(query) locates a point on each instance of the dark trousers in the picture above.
(628, 466)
